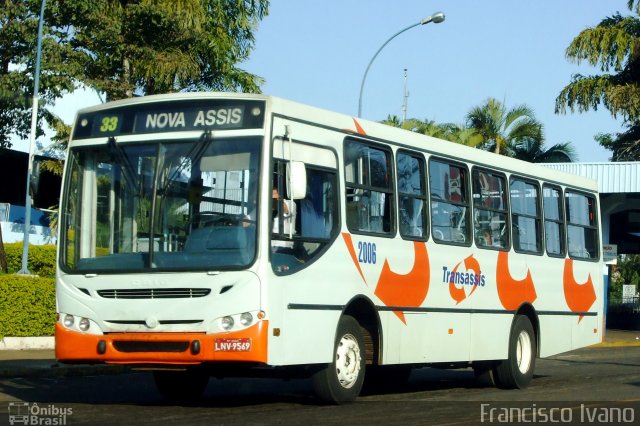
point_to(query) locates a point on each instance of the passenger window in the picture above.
(312, 220)
(582, 231)
(553, 220)
(490, 215)
(449, 202)
(526, 220)
(369, 193)
(412, 195)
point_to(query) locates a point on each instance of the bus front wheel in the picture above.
(181, 386)
(341, 380)
(516, 371)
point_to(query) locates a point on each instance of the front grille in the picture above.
(135, 346)
(154, 293)
(161, 322)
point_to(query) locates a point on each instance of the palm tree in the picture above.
(502, 129)
(463, 135)
(613, 46)
(393, 121)
(457, 133)
(534, 152)
(425, 127)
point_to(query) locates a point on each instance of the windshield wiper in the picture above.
(120, 157)
(193, 156)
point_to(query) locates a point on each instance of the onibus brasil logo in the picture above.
(25, 413)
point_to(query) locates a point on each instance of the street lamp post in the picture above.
(435, 18)
(32, 140)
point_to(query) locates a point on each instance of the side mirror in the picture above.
(297, 179)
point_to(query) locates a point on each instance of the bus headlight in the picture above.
(246, 319)
(226, 323)
(84, 324)
(68, 321)
(237, 322)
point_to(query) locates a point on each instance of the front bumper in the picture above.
(248, 345)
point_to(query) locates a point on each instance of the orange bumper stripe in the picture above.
(72, 346)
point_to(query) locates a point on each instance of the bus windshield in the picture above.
(166, 205)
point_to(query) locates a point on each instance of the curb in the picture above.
(616, 344)
(25, 343)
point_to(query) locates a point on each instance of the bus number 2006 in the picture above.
(366, 252)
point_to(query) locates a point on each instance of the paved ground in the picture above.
(38, 362)
(585, 386)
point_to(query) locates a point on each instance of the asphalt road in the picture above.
(588, 384)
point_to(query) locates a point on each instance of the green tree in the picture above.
(457, 133)
(624, 146)
(463, 135)
(120, 48)
(144, 47)
(535, 152)
(613, 46)
(502, 129)
(627, 271)
(18, 40)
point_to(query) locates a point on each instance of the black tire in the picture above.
(181, 386)
(341, 380)
(517, 371)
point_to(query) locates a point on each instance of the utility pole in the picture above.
(405, 96)
(24, 270)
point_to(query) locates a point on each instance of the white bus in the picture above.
(218, 234)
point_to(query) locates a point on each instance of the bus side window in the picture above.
(316, 223)
(412, 194)
(582, 230)
(316, 218)
(526, 217)
(554, 227)
(450, 203)
(490, 218)
(369, 188)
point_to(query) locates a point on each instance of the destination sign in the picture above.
(189, 119)
(171, 116)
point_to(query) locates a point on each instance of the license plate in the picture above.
(232, 345)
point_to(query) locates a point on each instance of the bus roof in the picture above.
(363, 128)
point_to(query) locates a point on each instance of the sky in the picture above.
(316, 52)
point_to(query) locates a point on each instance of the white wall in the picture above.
(14, 232)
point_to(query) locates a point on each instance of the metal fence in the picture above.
(625, 305)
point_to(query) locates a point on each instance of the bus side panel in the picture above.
(413, 278)
(426, 337)
(586, 332)
(307, 337)
(554, 334)
(490, 336)
(311, 302)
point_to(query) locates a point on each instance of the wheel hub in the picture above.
(524, 352)
(348, 361)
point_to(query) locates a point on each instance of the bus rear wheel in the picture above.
(181, 386)
(341, 380)
(516, 371)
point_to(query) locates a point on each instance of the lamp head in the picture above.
(436, 18)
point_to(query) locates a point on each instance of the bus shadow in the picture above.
(138, 389)
(426, 379)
